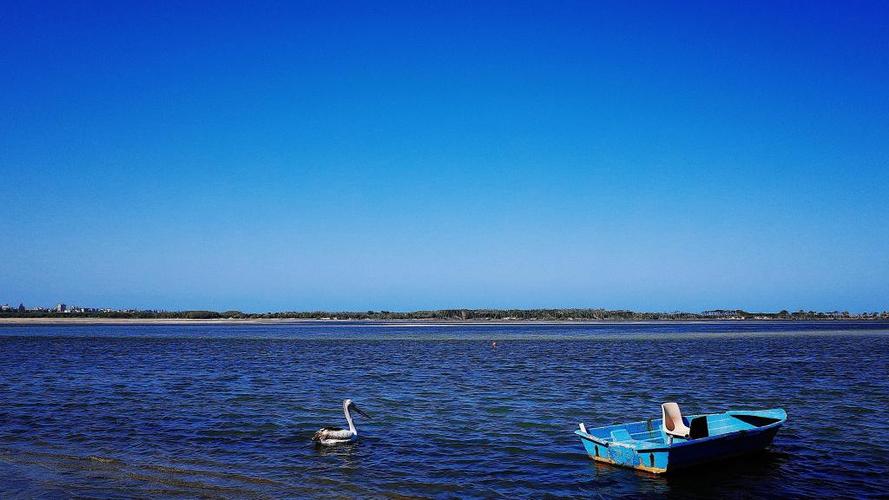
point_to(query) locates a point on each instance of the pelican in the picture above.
(329, 436)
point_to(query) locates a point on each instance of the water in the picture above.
(229, 410)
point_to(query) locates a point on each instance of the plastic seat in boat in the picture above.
(672, 423)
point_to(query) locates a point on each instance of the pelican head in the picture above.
(349, 405)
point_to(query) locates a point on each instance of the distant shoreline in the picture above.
(393, 322)
(81, 315)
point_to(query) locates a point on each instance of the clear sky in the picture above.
(377, 155)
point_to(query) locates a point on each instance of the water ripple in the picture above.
(229, 411)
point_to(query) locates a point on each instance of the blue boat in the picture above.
(675, 442)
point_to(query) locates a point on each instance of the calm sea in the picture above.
(229, 411)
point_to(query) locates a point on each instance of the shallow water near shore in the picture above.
(229, 410)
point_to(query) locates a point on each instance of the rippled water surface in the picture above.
(229, 411)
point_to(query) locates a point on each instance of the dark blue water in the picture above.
(229, 411)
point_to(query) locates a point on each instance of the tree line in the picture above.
(459, 315)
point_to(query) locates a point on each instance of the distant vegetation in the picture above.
(457, 315)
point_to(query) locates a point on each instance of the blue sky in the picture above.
(379, 155)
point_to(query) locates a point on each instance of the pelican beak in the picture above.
(360, 412)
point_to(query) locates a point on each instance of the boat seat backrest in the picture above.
(698, 428)
(672, 420)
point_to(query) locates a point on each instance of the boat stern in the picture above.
(623, 454)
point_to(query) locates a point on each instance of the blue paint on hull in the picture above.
(644, 446)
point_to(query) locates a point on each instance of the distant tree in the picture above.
(201, 314)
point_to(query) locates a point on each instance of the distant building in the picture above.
(60, 308)
(5, 307)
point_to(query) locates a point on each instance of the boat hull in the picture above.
(668, 456)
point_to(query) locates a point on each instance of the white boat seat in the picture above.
(672, 423)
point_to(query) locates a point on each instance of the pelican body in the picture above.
(330, 436)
